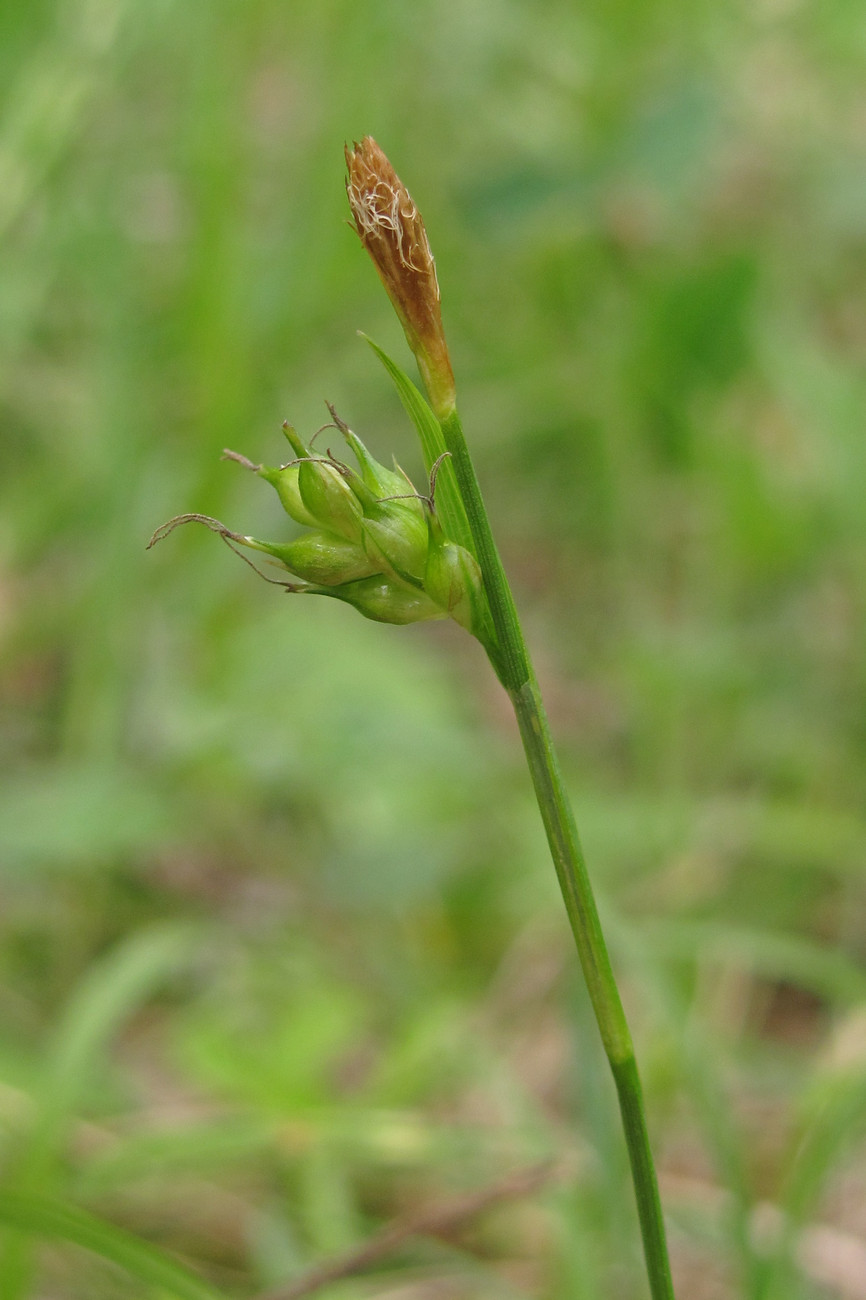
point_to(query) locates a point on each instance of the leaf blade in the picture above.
(449, 503)
(43, 1217)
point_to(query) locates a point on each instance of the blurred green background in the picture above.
(282, 952)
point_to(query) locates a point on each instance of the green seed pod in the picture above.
(330, 500)
(452, 579)
(318, 557)
(285, 480)
(384, 601)
(395, 539)
(282, 477)
(380, 480)
(325, 492)
(393, 530)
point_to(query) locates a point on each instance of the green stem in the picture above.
(514, 668)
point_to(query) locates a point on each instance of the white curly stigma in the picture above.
(377, 210)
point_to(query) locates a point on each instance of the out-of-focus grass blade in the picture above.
(795, 958)
(44, 1217)
(51, 97)
(202, 1149)
(111, 991)
(74, 817)
(836, 1112)
(449, 503)
(108, 994)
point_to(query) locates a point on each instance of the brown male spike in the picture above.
(392, 231)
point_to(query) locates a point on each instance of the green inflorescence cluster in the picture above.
(370, 539)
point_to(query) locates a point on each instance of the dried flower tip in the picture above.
(392, 231)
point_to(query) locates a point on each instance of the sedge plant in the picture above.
(402, 556)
